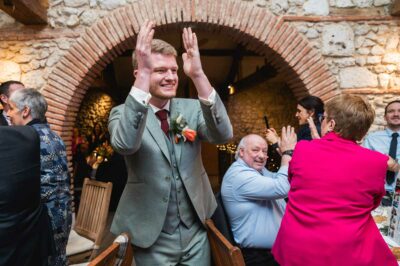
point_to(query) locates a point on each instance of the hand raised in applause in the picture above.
(313, 128)
(143, 45)
(288, 139)
(143, 56)
(191, 58)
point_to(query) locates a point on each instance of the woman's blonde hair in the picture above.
(157, 47)
(353, 116)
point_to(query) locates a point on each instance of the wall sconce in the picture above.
(231, 89)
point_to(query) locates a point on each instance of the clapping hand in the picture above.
(143, 56)
(288, 139)
(313, 128)
(143, 45)
(191, 58)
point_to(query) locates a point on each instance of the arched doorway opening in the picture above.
(255, 29)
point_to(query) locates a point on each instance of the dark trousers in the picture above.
(258, 257)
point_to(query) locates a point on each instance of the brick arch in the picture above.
(256, 28)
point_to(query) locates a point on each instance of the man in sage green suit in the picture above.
(168, 195)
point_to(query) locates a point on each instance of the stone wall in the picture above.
(31, 61)
(357, 39)
(95, 109)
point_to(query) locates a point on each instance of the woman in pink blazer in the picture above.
(335, 184)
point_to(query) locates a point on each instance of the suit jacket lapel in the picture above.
(176, 109)
(156, 132)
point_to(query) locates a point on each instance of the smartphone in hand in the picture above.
(266, 121)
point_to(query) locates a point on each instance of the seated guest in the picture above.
(28, 107)
(334, 186)
(25, 229)
(386, 142)
(254, 197)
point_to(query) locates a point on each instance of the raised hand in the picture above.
(288, 139)
(143, 46)
(313, 128)
(271, 136)
(191, 58)
(143, 56)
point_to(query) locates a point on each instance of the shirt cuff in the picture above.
(140, 96)
(210, 100)
(284, 170)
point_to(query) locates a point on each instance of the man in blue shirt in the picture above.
(385, 140)
(253, 197)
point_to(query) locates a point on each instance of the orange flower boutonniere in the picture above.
(181, 130)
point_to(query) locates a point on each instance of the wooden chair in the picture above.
(223, 252)
(120, 253)
(86, 236)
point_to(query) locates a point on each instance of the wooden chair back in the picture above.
(93, 210)
(120, 253)
(223, 252)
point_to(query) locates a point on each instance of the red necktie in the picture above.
(163, 117)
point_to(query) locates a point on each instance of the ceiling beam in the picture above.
(264, 73)
(395, 10)
(28, 12)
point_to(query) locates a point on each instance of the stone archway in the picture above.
(256, 28)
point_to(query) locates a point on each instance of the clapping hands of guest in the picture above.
(313, 128)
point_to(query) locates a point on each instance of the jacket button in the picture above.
(167, 178)
(165, 199)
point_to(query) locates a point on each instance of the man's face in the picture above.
(11, 89)
(164, 78)
(392, 115)
(255, 152)
(15, 115)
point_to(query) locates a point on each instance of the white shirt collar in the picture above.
(156, 109)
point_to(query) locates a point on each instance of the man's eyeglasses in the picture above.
(321, 118)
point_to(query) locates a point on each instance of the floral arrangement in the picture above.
(105, 150)
(181, 130)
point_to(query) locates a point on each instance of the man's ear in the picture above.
(4, 98)
(241, 152)
(135, 72)
(26, 112)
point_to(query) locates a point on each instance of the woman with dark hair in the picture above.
(309, 110)
(334, 185)
(97, 137)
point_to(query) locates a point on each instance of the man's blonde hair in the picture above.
(352, 114)
(157, 47)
